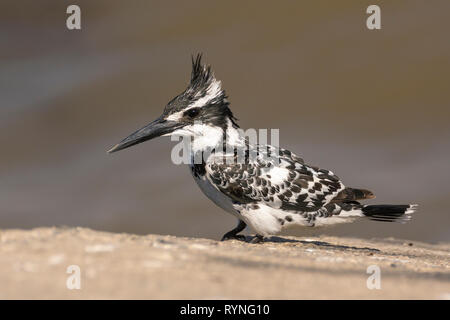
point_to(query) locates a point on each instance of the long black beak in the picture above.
(154, 129)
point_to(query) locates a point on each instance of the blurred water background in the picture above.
(372, 106)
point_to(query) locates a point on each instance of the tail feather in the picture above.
(389, 212)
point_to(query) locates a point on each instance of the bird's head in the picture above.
(201, 112)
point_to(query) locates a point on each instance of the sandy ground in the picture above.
(33, 264)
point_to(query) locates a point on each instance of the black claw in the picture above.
(257, 239)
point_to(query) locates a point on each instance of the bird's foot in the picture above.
(231, 236)
(257, 239)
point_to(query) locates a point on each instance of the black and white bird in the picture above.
(265, 187)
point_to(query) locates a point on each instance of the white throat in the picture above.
(205, 137)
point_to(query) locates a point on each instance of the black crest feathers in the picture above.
(201, 75)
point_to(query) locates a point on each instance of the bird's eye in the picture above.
(192, 113)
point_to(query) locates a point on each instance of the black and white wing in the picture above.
(284, 182)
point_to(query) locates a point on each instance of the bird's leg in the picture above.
(257, 239)
(233, 234)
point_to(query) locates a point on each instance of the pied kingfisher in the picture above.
(265, 193)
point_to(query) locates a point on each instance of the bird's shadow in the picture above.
(324, 244)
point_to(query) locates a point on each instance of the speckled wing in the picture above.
(288, 183)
